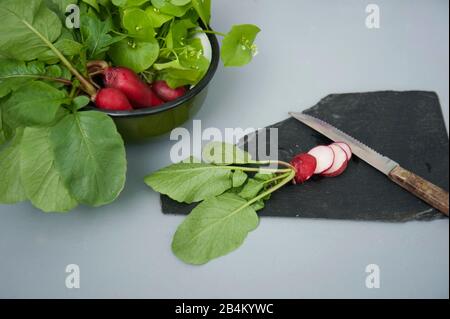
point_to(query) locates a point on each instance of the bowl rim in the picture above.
(197, 89)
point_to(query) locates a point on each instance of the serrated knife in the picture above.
(423, 189)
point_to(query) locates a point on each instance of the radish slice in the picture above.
(340, 162)
(347, 149)
(324, 156)
(305, 165)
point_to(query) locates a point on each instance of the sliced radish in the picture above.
(305, 165)
(347, 149)
(340, 162)
(324, 156)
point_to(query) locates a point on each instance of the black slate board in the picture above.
(406, 126)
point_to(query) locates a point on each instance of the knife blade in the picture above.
(428, 192)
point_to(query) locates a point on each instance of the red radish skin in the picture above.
(305, 166)
(324, 156)
(113, 100)
(340, 162)
(347, 149)
(166, 93)
(137, 92)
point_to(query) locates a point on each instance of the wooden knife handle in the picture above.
(426, 191)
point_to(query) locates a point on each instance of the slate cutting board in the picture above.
(406, 126)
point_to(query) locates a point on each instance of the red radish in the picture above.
(112, 99)
(304, 165)
(340, 162)
(137, 92)
(324, 156)
(347, 149)
(166, 93)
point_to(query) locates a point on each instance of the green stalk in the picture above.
(86, 85)
(210, 32)
(269, 191)
(277, 178)
(256, 169)
(41, 77)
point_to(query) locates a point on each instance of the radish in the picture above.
(305, 166)
(347, 149)
(137, 92)
(166, 93)
(324, 156)
(112, 99)
(340, 162)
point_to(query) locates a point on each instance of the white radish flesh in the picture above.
(340, 162)
(324, 156)
(347, 149)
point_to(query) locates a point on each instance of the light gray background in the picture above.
(308, 49)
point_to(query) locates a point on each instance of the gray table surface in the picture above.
(308, 49)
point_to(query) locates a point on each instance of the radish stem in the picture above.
(86, 85)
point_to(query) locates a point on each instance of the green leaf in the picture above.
(238, 46)
(260, 204)
(239, 178)
(180, 3)
(216, 227)
(5, 132)
(224, 154)
(41, 180)
(203, 8)
(264, 176)
(11, 189)
(21, 21)
(157, 18)
(135, 54)
(167, 7)
(90, 155)
(252, 189)
(129, 3)
(67, 47)
(80, 101)
(96, 36)
(93, 4)
(36, 103)
(138, 23)
(190, 183)
(190, 67)
(60, 6)
(14, 74)
(178, 34)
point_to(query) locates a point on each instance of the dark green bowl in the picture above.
(145, 124)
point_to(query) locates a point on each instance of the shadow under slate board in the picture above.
(405, 126)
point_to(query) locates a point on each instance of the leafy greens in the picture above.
(229, 198)
(58, 155)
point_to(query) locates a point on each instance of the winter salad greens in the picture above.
(122, 55)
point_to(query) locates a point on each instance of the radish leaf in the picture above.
(239, 178)
(42, 181)
(224, 154)
(36, 103)
(190, 183)
(214, 228)
(11, 189)
(20, 20)
(90, 155)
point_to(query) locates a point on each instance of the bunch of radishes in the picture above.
(124, 90)
(327, 161)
